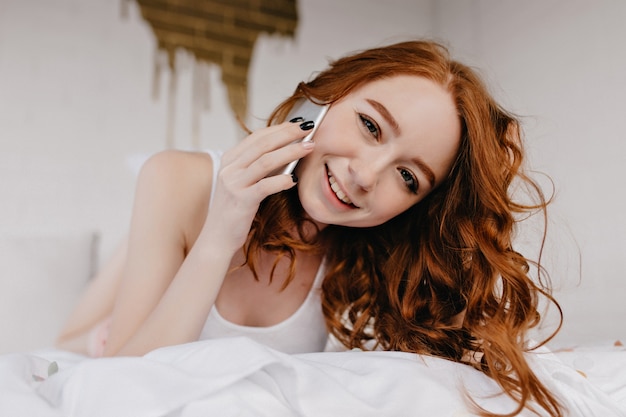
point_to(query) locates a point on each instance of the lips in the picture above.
(334, 186)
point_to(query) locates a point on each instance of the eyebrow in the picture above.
(426, 170)
(386, 115)
(430, 175)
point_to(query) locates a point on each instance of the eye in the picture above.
(409, 179)
(370, 125)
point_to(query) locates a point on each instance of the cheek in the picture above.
(385, 210)
(335, 135)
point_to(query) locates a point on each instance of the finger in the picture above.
(234, 152)
(275, 162)
(272, 185)
(271, 164)
(267, 140)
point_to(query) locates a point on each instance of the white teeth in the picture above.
(335, 187)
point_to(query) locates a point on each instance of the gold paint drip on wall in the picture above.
(219, 32)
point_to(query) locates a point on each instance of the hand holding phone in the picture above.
(308, 111)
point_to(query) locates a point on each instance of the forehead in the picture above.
(406, 89)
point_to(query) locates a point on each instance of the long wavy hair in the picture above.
(441, 278)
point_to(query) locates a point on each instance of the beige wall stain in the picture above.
(218, 32)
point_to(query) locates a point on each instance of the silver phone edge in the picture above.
(288, 170)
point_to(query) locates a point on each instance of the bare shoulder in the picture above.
(178, 172)
(182, 182)
(176, 162)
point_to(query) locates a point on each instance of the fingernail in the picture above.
(296, 120)
(294, 178)
(307, 125)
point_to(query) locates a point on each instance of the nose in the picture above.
(365, 171)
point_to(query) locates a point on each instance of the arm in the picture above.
(95, 305)
(178, 255)
(171, 200)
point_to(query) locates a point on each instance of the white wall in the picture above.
(561, 65)
(76, 106)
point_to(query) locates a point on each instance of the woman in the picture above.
(401, 213)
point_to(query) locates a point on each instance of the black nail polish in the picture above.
(294, 177)
(296, 120)
(307, 125)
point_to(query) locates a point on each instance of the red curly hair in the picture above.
(441, 278)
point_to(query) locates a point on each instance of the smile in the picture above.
(341, 196)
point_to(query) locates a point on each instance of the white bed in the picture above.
(238, 377)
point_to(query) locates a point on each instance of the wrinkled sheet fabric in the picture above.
(239, 377)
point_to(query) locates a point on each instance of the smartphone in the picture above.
(308, 110)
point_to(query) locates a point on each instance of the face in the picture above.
(380, 150)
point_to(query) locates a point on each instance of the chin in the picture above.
(316, 215)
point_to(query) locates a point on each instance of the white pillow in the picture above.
(41, 278)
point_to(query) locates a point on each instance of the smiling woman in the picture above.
(397, 236)
(384, 146)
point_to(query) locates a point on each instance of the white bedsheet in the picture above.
(238, 377)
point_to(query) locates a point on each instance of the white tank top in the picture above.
(304, 331)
